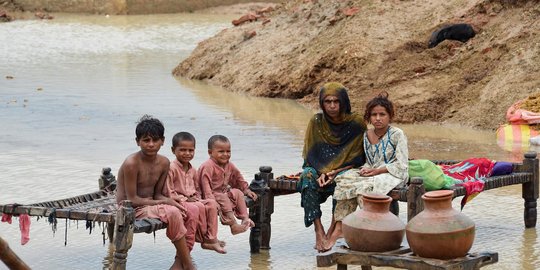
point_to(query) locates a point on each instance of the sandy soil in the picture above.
(383, 47)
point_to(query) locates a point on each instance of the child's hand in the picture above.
(180, 198)
(369, 172)
(252, 195)
(173, 202)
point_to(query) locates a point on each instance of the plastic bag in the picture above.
(434, 178)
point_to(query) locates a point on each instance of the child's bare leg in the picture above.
(332, 227)
(214, 245)
(182, 260)
(337, 233)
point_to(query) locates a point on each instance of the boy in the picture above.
(183, 186)
(141, 179)
(223, 182)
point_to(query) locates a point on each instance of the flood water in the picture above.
(81, 82)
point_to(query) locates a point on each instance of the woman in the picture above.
(386, 163)
(333, 144)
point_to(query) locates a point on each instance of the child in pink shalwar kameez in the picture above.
(223, 182)
(183, 186)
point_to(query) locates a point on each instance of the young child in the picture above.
(183, 186)
(141, 175)
(386, 163)
(223, 182)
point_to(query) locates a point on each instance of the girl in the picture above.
(386, 164)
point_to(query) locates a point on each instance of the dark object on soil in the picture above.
(460, 31)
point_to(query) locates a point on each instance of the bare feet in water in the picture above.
(214, 245)
(179, 265)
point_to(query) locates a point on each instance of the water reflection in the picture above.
(281, 113)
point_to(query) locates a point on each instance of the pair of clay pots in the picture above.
(439, 231)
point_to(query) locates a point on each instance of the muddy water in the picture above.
(79, 85)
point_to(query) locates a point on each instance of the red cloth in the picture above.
(471, 172)
(6, 218)
(24, 226)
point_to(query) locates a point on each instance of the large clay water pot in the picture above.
(440, 231)
(373, 228)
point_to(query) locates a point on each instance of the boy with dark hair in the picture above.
(223, 182)
(183, 186)
(141, 179)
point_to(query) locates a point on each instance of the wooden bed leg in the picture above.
(268, 207)
(123, 228)
(110, 231)
(415, 204)
(259, 236)
(529, 190)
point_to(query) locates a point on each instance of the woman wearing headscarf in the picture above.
(333, 144)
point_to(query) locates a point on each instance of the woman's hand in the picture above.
(324, 179)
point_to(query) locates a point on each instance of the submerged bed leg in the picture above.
(260, 213)
(110, 231)
(529, 190)
(123, 237)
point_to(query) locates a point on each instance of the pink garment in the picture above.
(24, 226)
(233, 200)
(168, 214)
(191, 222)
(226, 185)
(207, 225)
(6, 218)
(186, 184)
(515, 115)
(215, 179)
(182, 183)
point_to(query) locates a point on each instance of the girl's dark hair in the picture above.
(149, 126)
(216, 138)
(182, 136)
(380, 100)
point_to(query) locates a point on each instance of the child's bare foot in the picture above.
(248, 223)
(237, 228)
(213, 245)
(180, 265)
(222, 243)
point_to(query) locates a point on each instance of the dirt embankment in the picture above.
(374, 45)
(116, 7)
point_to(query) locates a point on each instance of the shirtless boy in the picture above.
(223, 182)
(141, 179)
(183, 186)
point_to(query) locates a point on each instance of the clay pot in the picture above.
(440, 231)
(373, 228)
